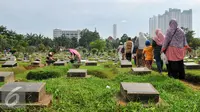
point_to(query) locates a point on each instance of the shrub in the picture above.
(40, 75)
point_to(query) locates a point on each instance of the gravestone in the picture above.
(7, 77)
(9, 64)
(103, 61)
(36, 64)
(83, 61)
(77, 73)
(29, 93)
(142, 70)
(143, 92)
(125, 64)
(3, 59)
(59, 63)
(192, 66)
(91, 63)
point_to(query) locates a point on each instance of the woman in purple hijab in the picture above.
(175, 46)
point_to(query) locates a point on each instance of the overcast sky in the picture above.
(131, 16)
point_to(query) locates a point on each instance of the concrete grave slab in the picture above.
(9, 64)
(91, 63)
(192, 66)
(125, 64)
(7, 77)
(77, 73)
(36, 64)
(59, 63)
(143, 92)
(32, 94)
(84, 61)
(3, 59)
(141, 70)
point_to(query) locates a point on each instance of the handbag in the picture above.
(170, 41)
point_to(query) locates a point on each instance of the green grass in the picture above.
(91, 94)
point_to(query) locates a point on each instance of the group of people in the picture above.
(173, 45)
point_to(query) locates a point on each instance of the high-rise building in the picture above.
(67, 33)
(184, 19)
(115, 31)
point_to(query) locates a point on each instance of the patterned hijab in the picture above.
(159, 38)
(178, 40)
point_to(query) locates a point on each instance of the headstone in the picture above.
(142, 70)
(125, 64)
(103, 61)
(7, 77)
(77, 73)
(91, 63)
(36, 63)
(29, 93)
(59, 63)
(192, 66)
(10, 64)
(143, 92)
(83, 61)
(3, 59)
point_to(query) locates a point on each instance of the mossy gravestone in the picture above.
(10, 64)
(192, 66)
(143, 92)
(7, 77)
(59, 63)
(36, 63)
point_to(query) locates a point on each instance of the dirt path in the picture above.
(192, 85)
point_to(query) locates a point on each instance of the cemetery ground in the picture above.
(101, 92)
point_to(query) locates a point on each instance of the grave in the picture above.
(3, 59)
(29, 93)
(142, 70)
(103, 61)
(59, 63)
(192, 66)
(36, 64)
(7, 77)
(19, 59)
(77, 73)
(125, 64)
(143, 92)
(91, 63)
(83, 61)
(9, 64)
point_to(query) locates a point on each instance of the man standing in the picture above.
(140, 43)
(128, 47)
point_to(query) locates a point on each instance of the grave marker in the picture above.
(192, 66)
(36, 64)
(143, 92)
(10, 64)
(91, 63)
(142, 70)
(125, 64)
(7, 77)
(59, 63)
(29, 93)
(77, 73)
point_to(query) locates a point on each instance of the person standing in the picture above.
(157, 46)
(128, 47)
(119, 50)
(140, 43)
(148, 54)
(175, 46)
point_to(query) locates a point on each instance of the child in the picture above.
(148, 54)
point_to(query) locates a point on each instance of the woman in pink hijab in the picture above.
(157, 45)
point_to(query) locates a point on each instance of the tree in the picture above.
(74, 42)
(94, 51)
(98, 44)
(87, 37)
(124, 38)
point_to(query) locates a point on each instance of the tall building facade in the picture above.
(68, 33)
(115, 31)
(184, 19)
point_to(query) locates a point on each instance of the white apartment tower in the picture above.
(115, 31)
(67, 33)
(184, 19)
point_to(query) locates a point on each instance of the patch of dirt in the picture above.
(194, 86)
(33, 67)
